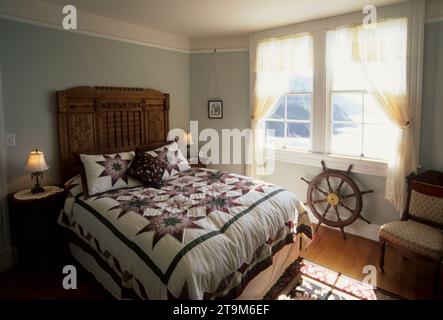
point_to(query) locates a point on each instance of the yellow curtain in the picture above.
(276, 60)
(382, 54)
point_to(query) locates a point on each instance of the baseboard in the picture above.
(6, 259)
(358, 228)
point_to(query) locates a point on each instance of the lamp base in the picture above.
(37, 189)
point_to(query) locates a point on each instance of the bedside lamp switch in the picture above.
(10, 140)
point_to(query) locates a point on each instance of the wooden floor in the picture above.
(46, 284)
(411, 279)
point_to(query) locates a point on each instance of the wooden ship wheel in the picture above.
(335, 199)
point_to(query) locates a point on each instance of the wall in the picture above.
(376, 208)
(38, 61)
(432, 114)
(233, 73)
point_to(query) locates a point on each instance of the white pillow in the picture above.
(106, 172)
(174, 159)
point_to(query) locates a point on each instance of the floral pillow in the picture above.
(147, 169)
(173, 158)
(105, 172)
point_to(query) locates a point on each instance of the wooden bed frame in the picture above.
(107, 120)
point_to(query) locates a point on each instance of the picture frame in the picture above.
(215, 109)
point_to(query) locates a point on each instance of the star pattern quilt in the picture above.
(203, 235)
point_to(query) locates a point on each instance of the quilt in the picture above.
(203, 235)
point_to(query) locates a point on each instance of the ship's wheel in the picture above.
(335, 199)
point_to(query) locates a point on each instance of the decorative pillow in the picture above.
(147, 169)
(173, 157)
(106, 172)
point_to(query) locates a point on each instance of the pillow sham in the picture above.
(106, 172)
(174, 159)
(147, 169)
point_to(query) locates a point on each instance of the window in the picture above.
(288, 125)
(357, 125)
(354, 124)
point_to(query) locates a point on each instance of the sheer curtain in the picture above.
(382, 55)
(276, 60)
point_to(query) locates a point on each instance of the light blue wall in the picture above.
(234, 80)
(233, 75)
(38, 61)
(432, 114)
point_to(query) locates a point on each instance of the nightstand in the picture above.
(35, 233)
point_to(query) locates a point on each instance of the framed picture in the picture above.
(215, 109)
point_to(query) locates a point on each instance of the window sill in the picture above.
(364, 166)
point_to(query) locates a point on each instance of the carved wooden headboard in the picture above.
(107, 120)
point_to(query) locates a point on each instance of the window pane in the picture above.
(302, 82)
(346, 139)
(373, 112)
(278, 127)
(299, 107)
(298, 136)
(279, 110)
(299, 130)
(378, 140)
(347, 107)
(348, 76)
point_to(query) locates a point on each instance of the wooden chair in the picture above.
(420, 230)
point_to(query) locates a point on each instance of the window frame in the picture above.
(321, 95)
(285, 119)
(331, 122)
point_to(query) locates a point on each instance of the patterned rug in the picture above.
(304, 280)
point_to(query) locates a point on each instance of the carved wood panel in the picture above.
(108, 119)
(157, 129)
(81, 132)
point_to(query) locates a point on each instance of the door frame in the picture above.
(4, 235)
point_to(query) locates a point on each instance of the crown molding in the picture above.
(221, 44)
(434, 20)
(50, 15)
(434, 11)
(219, 50)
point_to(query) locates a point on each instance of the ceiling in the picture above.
(217, 18)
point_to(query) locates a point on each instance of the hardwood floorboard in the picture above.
(410, 278)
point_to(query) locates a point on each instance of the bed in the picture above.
(205, 234)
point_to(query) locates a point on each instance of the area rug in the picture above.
(304, 280)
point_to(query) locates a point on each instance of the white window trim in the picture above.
(416, 13)
(360, 165)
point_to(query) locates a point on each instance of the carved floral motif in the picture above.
(80, 128)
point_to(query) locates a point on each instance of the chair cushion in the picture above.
(416, 237)
(427, 202)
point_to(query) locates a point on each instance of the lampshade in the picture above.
(36, 162)
(188, 138)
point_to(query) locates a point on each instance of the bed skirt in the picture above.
(255, 289)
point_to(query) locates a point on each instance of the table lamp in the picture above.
(36, 164)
